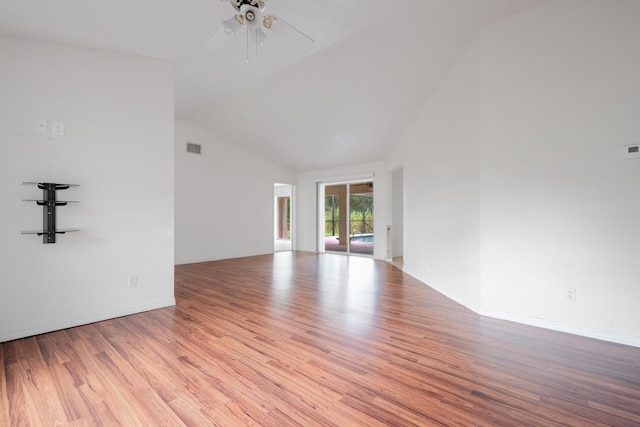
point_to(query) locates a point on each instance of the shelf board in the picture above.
(47, 201)
(64, 186)
(58, 231)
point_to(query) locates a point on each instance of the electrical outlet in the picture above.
(57, 128)
(570, 294)
(133, 281)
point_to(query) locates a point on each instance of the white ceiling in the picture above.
(346, 101)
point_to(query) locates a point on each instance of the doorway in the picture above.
(282, 217)
(348, 218)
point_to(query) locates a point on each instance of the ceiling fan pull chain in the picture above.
(247, 44)
(252, 18)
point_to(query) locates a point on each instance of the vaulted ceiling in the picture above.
(348, 100)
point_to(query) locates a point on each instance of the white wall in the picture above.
(224, 198)
(515, 185)
(397, 213)
(117, 111)
(307, 231)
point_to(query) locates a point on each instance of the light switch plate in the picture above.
(631, 151)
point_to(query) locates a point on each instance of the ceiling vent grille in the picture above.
(194, 148)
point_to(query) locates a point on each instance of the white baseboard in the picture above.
(563, 327)
(70, 323)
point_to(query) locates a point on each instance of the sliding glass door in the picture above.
(348, 218)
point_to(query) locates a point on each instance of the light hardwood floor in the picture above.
(305, 339)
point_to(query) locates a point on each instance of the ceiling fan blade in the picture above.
(288, 32)
(219, 39)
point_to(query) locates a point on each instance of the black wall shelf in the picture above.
(49, 202)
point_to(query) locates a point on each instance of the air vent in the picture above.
(194, 148)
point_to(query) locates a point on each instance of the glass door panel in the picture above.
(361, 218)
(336, 231)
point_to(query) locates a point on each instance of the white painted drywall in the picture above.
(397, 213)
(307, 203)
(515, 183)
(224, 198)
(117, 112)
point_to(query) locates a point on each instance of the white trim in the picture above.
(320, 217)
(369, 176)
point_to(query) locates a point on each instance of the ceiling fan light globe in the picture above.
(231, 25)
(260, 36)
(252, 16)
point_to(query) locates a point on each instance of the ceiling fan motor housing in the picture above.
(238, 4)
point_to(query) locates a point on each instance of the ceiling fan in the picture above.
(251, 17)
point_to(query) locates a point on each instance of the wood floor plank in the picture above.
(312, 340)
(4, 398)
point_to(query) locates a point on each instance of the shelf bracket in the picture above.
(49, 203)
